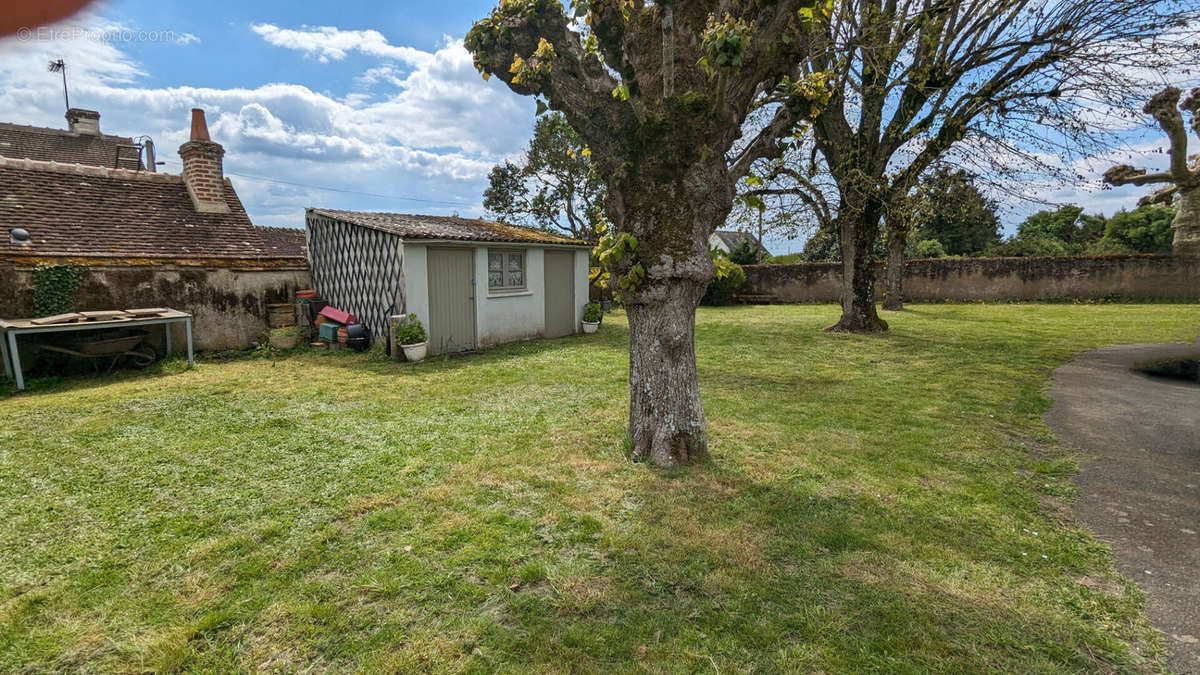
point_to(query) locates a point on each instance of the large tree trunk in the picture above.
(893, 298)
(858, 226)
(1187, 224)
(666, 419)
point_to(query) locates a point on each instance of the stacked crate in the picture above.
(281, 317)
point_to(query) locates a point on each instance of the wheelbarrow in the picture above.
(128, 348)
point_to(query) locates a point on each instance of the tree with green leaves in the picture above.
(822, 247)
(556, 188)
(1066, 230)
(1146, 229)
(952, 209)
(998, 85)
(746, 253)
(659, 92)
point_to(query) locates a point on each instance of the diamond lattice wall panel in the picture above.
(357, 269)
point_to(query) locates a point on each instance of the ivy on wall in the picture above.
(54, 288)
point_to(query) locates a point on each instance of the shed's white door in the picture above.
(451, 300)
(560, 293)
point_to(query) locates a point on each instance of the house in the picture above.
(472, 283)
(140, 239)
(727, 240)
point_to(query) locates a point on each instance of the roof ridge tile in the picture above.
(84, 169)
(61, 132)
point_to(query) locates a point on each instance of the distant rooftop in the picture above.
(284, 242)
(83, 144)
(732, 239)
(447, 228)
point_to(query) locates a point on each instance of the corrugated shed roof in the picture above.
(78, 211)
(57, 145)
(447, 228)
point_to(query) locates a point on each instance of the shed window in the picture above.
(506, 270)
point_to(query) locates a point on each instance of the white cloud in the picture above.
(417, 124)
(329, 43)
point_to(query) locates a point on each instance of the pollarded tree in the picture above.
(1184, 180)
(1006, 82)
(659, 92)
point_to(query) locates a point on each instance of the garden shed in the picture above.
(473, 283)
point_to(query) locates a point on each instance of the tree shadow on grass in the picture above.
(766, 575)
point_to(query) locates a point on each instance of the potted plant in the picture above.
(592, 316)
(410, 335)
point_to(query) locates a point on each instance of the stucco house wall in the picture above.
(416, 281)
(229, 306)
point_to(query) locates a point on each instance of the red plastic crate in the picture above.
(335, 314)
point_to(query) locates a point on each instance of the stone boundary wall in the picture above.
(1001, 279)
(229, 303)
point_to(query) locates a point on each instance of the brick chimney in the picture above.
(202, 171)
(81, 122)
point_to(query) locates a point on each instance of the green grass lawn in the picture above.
(875, 503)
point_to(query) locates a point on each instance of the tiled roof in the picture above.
(447, 228)
(78, 211)
(284, 242)
(734, 239)
(56, 145)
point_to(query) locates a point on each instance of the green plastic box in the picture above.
(329, 331)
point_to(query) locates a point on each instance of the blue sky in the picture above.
(376, 98)
(361, 97)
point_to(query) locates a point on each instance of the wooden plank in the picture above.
(107, 315)
(71, 317)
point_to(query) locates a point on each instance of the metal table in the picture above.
(11, 328)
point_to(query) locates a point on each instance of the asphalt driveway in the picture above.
(1140, 491)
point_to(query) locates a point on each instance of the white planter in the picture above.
(590, 327)
(415, 352)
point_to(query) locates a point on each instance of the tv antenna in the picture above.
(60, 66)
